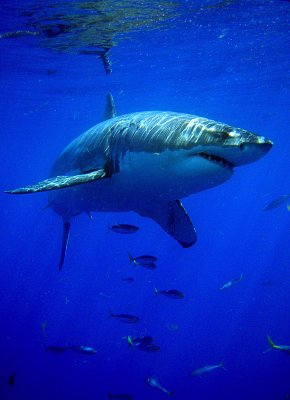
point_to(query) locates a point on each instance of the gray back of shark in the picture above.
(145, 162)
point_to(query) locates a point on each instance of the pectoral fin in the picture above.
(179, 224)
(173, 218)
(60, 182)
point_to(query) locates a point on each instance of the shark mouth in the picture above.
(216, 159)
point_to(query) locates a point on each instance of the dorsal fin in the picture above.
(110, 111)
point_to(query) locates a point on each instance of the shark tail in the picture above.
(65, 238)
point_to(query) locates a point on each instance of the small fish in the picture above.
(140, 341)
(11, 379)
(283, 348)
(121, 396)
(56, 349)
(277, 202)
(172, 293)
(124, 228)
(83, 349)
(143, 260)
(155, 384)
(231, 282)
(127, 318)
(208, 368)
(129, 279)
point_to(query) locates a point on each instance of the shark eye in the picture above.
(229, 132)
(225, 133)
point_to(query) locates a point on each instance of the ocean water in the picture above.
(224, 60)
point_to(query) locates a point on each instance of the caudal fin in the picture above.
(65, 237)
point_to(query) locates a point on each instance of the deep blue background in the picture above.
(229, 63)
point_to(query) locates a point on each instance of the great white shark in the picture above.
(145, 162)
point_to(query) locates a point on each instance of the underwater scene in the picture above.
(145, 199)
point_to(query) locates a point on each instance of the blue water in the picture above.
(229, 62)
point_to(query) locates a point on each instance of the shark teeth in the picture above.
(216, 159)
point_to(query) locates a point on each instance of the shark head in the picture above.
(187, 135)
(223, 144)
(195, 153)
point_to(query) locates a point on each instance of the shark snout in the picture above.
(267, 146)
(253, 151)
(264, 145)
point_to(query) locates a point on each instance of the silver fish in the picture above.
(155, 384)
(172, 293)
(277, 202)
(207, 368)
(232, 282)
(128, 318)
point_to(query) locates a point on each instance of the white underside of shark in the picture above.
(144, 180)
